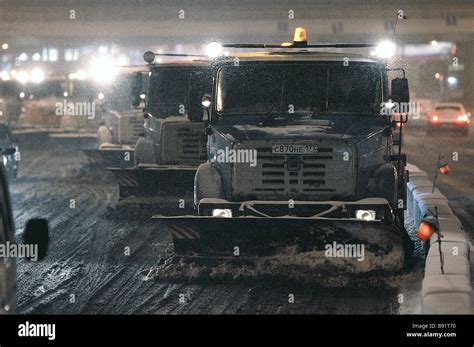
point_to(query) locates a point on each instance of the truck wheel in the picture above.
(144, 152)
(207, 183)
(14, 173)
(104, 135)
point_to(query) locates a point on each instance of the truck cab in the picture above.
(167, 156)
(11, 99)
(39, 106)
(122, 121)
(172, 98)
(314, 124)
(80, 107)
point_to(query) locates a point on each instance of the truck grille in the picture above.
(288, 176)
(130, 128)
(184, 143)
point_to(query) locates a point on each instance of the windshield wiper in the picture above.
(356, 121)
(271, 115)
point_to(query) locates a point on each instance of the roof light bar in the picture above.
(299, 41)
(149, 56)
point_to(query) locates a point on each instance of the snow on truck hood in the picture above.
(174, 119)
(254, 132)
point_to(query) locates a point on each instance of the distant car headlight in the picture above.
(463, 118)
(226, 213)
(37, 75)
(367, 215)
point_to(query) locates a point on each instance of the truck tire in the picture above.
(104, 135)
(207, 183)
(144, 152)
(12, 168)
(186, 247)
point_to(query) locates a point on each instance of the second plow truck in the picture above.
(122, 122)
(167, 157)
(301, 164)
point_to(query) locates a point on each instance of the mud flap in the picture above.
(303, 240)
(116, 157)
(147, 181)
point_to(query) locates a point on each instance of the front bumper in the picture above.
(448, 125)
(295, 208)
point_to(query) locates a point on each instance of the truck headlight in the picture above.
(226, 213)
(367, 215)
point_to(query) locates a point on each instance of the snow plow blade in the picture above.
(153, 180)
(111, 157)
(307, 242)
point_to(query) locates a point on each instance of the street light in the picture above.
(386, 49)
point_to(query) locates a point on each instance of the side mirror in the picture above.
(37, 234)
(398, 119)
(139, 101)
(196, 113)
(9, 151)
(206, 101)
(136, 102)
(400, 90)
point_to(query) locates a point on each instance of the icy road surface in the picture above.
(88, 269)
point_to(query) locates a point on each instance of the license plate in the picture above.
(294, 149)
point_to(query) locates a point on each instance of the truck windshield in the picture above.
(169, 90)
(83, 89)
(46, 89)
(299, 89)
(9, 88)
(120, 97)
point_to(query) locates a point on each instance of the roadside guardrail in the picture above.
(448, 293)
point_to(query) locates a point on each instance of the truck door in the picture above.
(7, 264)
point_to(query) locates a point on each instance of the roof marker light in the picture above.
(213, 49)
(149, 57)
(300, 35)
